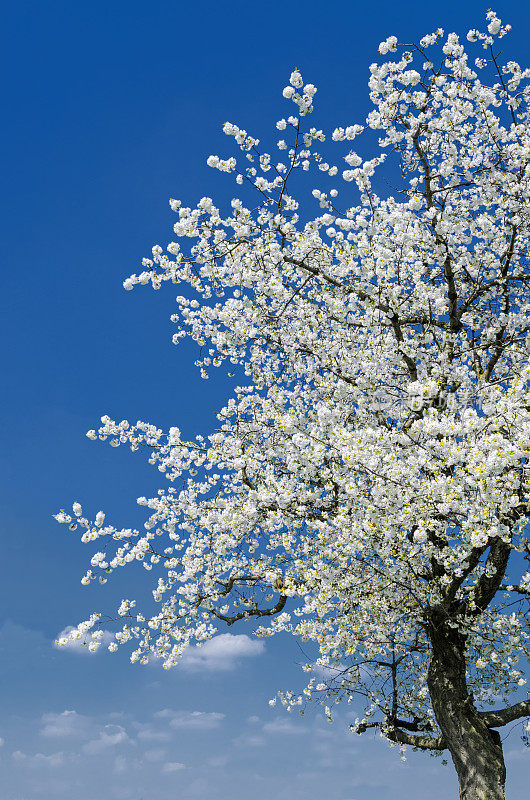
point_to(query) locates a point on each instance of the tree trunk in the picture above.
(476, 750)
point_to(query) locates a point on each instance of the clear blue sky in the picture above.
(110, 108)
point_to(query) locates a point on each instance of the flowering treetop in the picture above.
(367, 485)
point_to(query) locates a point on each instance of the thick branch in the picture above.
(456, 583)
(488, 585)
(402, 737)
(495, 719)
(423, 742)
(250, 612)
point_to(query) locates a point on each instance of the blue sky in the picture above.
(110, 109)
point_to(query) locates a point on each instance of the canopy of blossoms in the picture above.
(370, 467)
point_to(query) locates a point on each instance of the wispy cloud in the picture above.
(223, 652)
(249, 741)
(66, 723)
(155, 754)
(39, 759)
(217, 762)
(110, 736)
(280, 725)
(191, 720)
(146, 732)
(173, 766)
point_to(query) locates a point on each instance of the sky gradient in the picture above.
(111, 108)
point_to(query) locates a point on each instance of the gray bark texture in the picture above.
(476, 749)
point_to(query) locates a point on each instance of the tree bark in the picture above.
(476, 749)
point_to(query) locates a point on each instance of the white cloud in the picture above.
(249, 741)
(53, 760)
(110, 736)
(81, 645)
(2, 742)
(118, 715)
(67, 723)
(222, 652)
(330, 672)
(280, 725)
(218, 761)
(155, 754)
(147, 733)
(120, 764)
(191, 720)
(172, 766)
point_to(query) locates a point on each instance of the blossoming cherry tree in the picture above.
(367, 486)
